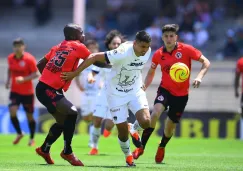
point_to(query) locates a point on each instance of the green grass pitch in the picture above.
(181, 154)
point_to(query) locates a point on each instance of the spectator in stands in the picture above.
(155, 32)
(230, 48)
(201, 35)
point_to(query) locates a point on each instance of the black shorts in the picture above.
(176, 104)
(48, 96)
(26, 100)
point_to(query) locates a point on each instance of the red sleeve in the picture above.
(155, 59)
(32, 64)
(239, 65)
(194, 53)
(50, 53)
(83, 52)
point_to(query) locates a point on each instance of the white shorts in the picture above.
(134, 102)
(88, 103)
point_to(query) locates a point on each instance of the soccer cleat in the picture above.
(31, 143)
(72, 159)
(160, 154)
(135, 136)
(106, 133)
(45, 156)
(94, 151)
(137, 153)
(129, 161)
(18, 138)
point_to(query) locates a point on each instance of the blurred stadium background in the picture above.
(213, 26)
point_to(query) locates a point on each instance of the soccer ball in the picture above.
(179, 72)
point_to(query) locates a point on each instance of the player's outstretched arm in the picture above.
(149, 78)
(41, 64)
(237, 83)
(205, 66)
(95, 57)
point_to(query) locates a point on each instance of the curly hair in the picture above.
(111, 35)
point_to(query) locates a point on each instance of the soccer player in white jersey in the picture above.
(89, 87)
(124, 89)
(113, 39)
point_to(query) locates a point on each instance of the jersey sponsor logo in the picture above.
(22, 63)
(124, 90)
(178, 55)
(136, 64)
(160, 98)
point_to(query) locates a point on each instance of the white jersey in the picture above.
(125, 76)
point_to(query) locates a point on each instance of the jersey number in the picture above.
(59, 59)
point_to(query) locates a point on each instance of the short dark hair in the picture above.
(170, 27)
(18, 41)
(91, 42)
(143, 36)
(111, 35)
(72, 31)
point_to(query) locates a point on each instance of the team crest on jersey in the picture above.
(160, 98)
(121, 49)
(22, 63)
(178, 55)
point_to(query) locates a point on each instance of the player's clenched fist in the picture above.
(196, 83)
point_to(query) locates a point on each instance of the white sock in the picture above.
(137, 127)
(91, 128)
(125, 146)
(95, 137)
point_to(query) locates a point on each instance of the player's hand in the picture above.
(68, 76)
(19, 79)
(196, 83)
(144, 87)
(7, 85)
(237, 94)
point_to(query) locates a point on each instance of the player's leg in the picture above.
(241, 118)
(177, 106)
(95, 134)
(13, 108)
(28, 104)
(119, 115)
(109, 125)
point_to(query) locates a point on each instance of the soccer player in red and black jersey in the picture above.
(21, 71)
(170, 94)
(49, 91)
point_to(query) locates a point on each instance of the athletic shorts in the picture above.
(120, 105)
(102, 111)
(176, 104)
(88, 103)
(48, 96)
(26, 100)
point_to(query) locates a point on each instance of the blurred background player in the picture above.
(170, 94)
(49, 91)
(113, 40)
(238, 74)
(89, 88)
(124, 89)
(21, 71)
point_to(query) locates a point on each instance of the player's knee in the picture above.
(145, 122)
(109, 124)
(123, 136)
(175, 119)
(97, 123)
(30, 116)
(13, 111)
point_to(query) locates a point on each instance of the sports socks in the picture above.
(68, 131)
(136, 126)
(95, 137)
(164, 140)
(125, 146)
(145, 136)
(32, 126)
(54, 133)
(16, 125)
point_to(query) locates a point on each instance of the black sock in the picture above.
(164, 140)
(54, 133)
(16, 125)
(68, 131)
(145, 136)
(32, 125)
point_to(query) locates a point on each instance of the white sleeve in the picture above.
(116, 55)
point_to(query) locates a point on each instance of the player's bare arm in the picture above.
(32, 76)
(41, 64)
(95, 57)
(149, 78)
(7, 84)
(237, 83)
(205, 66)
